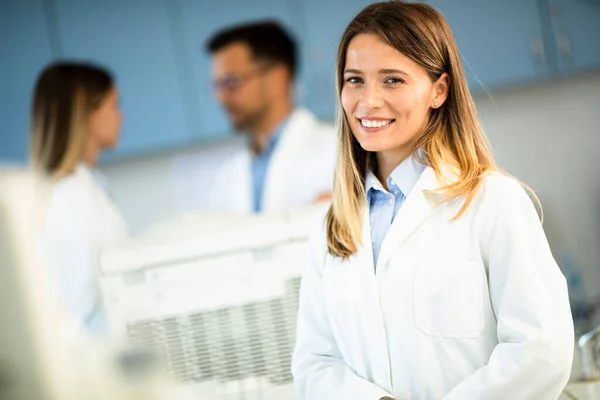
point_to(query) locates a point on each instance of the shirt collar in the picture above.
(404, 176)
(274, 138)
(372, 182)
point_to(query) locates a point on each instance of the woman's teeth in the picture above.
(375, 124)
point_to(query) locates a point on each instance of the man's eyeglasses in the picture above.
(233, 82)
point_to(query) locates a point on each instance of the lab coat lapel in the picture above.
(365, 254)
(417, 208)
(289, 149)
(240, 186)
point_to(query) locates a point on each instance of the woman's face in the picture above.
(105, 121)
(386, 96)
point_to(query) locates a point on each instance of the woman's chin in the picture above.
(372, 144)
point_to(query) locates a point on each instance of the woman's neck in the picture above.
(387, 163)
(91, 154)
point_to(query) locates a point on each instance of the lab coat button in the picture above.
(382, 378)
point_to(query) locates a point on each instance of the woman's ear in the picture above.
(440, 90)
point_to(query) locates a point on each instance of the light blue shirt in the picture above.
(384, 204)
(260, 164)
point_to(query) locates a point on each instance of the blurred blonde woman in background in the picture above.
(431, 277)
(75, 116)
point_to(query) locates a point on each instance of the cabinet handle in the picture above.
(565, 48)
(537, 49)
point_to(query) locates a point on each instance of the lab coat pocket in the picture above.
(449, 302)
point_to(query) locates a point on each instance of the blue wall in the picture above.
(156, 50)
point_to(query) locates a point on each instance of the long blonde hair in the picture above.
(452, 139)
(65, 95)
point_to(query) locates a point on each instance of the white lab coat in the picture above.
(81, 219)
(301, 169)
(474, 309)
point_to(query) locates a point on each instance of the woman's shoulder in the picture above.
(70, 187)
(504, 194)
(70, 195)
(498, 184)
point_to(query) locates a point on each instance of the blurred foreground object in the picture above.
(41, 355)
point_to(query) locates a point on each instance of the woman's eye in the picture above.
(354, 79)
(394, 81)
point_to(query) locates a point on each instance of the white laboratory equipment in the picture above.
(217, 295)
(42, 354)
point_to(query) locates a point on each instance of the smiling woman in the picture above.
(431, 276)
(387, 107)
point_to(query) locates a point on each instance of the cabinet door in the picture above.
(133, 39)
(24, 51)
(500, 41)
(576, 26)
(325, 22)
(200, 20)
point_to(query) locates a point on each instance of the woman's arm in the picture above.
(319, 370)
(533, 358)
(68, 243)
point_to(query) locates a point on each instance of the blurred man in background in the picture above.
(288, 158)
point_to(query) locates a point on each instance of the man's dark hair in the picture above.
(268, 41)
